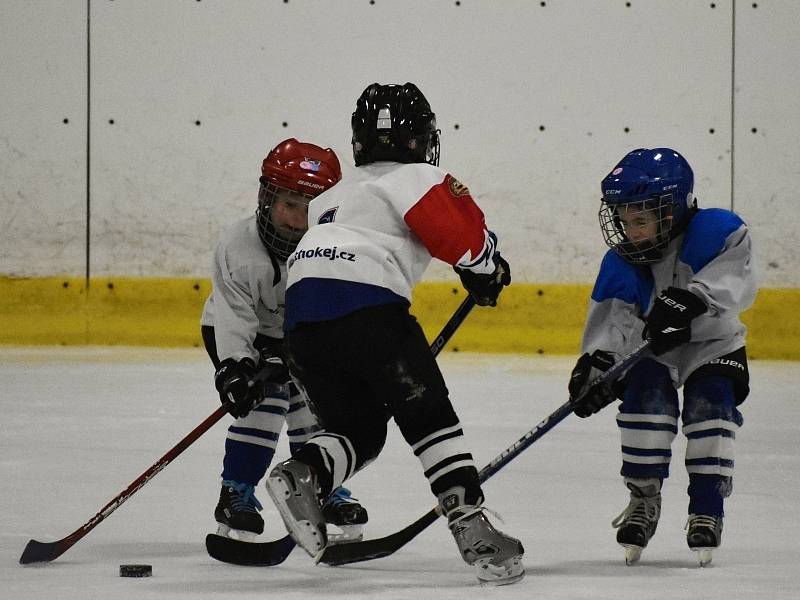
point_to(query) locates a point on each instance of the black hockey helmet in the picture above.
(394, 123)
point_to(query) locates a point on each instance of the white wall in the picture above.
(533, 102)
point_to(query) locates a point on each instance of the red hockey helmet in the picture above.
(297, 172)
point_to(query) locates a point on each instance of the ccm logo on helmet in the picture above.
(314, 186)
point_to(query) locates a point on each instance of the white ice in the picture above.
(78, 425)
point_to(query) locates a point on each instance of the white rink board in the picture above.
(42, 159)
(533, 102)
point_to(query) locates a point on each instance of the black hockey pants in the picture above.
(368, 366)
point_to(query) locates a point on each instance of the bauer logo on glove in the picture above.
(669, 322)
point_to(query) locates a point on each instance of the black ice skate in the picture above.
(497, 557)
(237, 512)
(704, 535)
(345, 512)
(638, 522)
(293, 488)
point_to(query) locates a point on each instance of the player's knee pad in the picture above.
(648, 389)
(710, 398)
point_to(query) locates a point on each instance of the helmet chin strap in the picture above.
(676, 230)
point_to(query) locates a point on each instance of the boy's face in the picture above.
(289, 214)
(639, 222)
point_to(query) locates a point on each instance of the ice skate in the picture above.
(293, 488)
(237, 512)
(345, 512)
(497, 557)
(703, 536)
(638, 522)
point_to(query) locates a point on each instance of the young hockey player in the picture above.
(679, 276)
(242, 327)
(353, 346)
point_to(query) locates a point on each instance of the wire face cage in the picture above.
(638, 231)
(281, 239)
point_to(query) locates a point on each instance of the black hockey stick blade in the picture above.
(342, 554)
(37, 552)
(385, 546)
(249, 554)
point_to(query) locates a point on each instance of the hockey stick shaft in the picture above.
(452, 325)
(382, 547)
(47, 551)
(559, 414)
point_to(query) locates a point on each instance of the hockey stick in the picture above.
(268, 554)
(382, 547)
(36, 552)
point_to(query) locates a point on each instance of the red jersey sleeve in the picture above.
(448, 222)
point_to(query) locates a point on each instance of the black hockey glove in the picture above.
(273, 375)
(233, 381)
(590, 399)
(669, 322)
(483, 288)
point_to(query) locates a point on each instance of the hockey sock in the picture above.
(707, 494)
(245, 463)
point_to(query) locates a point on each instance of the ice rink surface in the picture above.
(80, 424)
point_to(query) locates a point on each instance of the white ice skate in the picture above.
(293, 488)
(497, 557)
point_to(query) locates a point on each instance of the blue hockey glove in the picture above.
(669, 322)
(590, 399)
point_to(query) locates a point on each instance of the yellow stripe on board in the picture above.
(114, 311)
(530, 318)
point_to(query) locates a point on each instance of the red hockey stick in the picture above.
(47, 551)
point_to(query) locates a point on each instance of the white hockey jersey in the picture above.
(712, 258)
(248, 294)
(372, 236)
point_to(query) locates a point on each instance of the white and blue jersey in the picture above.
(712, 258)
(247, 296)
(372, 236)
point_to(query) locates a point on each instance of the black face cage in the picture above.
(659, 208)
(279, 239)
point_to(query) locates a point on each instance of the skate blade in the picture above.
(632, 554)
(236, 534)
(703, 556)
(309, 537)
(346, 534)
(511, 571)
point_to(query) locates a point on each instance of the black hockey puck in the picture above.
(135, 570)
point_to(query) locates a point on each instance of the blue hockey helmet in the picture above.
(394, 123)
(647, 201)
